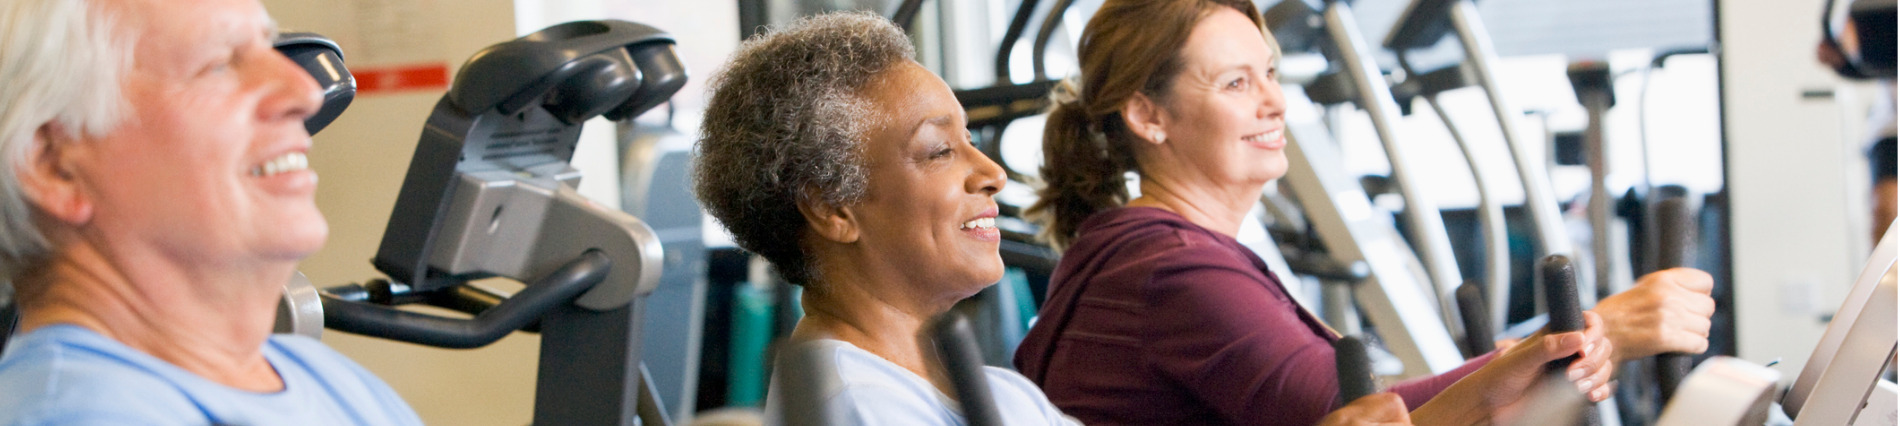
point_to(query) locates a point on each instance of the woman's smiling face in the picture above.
(1226, 115)
(927, 215)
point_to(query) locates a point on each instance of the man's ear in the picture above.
(1145, 117)
(47, 177)
(833, 223)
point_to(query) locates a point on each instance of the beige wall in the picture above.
(363, 155)
(361, 159)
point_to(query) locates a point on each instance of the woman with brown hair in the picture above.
(1156, 315)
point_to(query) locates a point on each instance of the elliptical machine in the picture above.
(490, 193)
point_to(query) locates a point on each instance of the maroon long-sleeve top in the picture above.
(1152, 319)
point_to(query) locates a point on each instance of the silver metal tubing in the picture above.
(1546, 218)
(1343, 217)
(1497, 244)
(1421, 212)
(1604, 235)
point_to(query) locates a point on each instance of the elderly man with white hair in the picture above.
(146, 239)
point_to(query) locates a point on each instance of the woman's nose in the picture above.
(1273, 101)
(987, 176)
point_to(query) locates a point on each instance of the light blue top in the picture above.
(874, 391)
(69, 375)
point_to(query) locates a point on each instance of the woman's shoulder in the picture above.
(1154, 236)
(1021, 401)
(1134, 251)
(869, 389)
(875, 391)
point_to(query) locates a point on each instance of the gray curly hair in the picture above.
(785, 126)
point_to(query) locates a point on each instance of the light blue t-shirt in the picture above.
(874, 391)
(69, 375)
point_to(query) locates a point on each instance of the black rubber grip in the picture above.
(1560, 294)
(1560, 297)
(955, 340)
(1566, 315)
(1477, 320)
(1675, 233)
(1355, 370)
(1675, 247)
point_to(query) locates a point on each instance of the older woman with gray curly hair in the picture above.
(830, 152)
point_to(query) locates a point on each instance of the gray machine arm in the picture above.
(489, 193)
(491, 170)
(1343, 217)
(1427, 22)
(1421, 212)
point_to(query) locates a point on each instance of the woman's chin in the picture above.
(993, 270)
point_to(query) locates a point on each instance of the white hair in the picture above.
(60, 63)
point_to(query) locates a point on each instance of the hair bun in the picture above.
(1068, 93)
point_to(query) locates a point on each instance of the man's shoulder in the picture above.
(354, 386)
(305, 350)
(57, 378)
(322, 361)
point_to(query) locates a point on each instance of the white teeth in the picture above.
(289, 162)
(1265, 137)
(981, 223)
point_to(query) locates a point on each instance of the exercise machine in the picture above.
(1421, 215)
(1496, 276)
(1389, 291)
(1609, 249)
(1425, 23)
(656, 187)
(1394, 292)
(489, 193)
(1843, 382)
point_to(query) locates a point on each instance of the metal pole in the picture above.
(1497, 244)
(1546, 218)
(1602, 237)
(1421, 213)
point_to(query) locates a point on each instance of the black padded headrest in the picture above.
(321, 57)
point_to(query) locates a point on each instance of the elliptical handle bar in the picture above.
(524, 308)
(1675, 247)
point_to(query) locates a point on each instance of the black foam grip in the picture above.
(1560, 294)
(963, 362)
(1676, 237)
(1477, 319)
(1355, 371)
(1566, 314)
(1675, 233)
